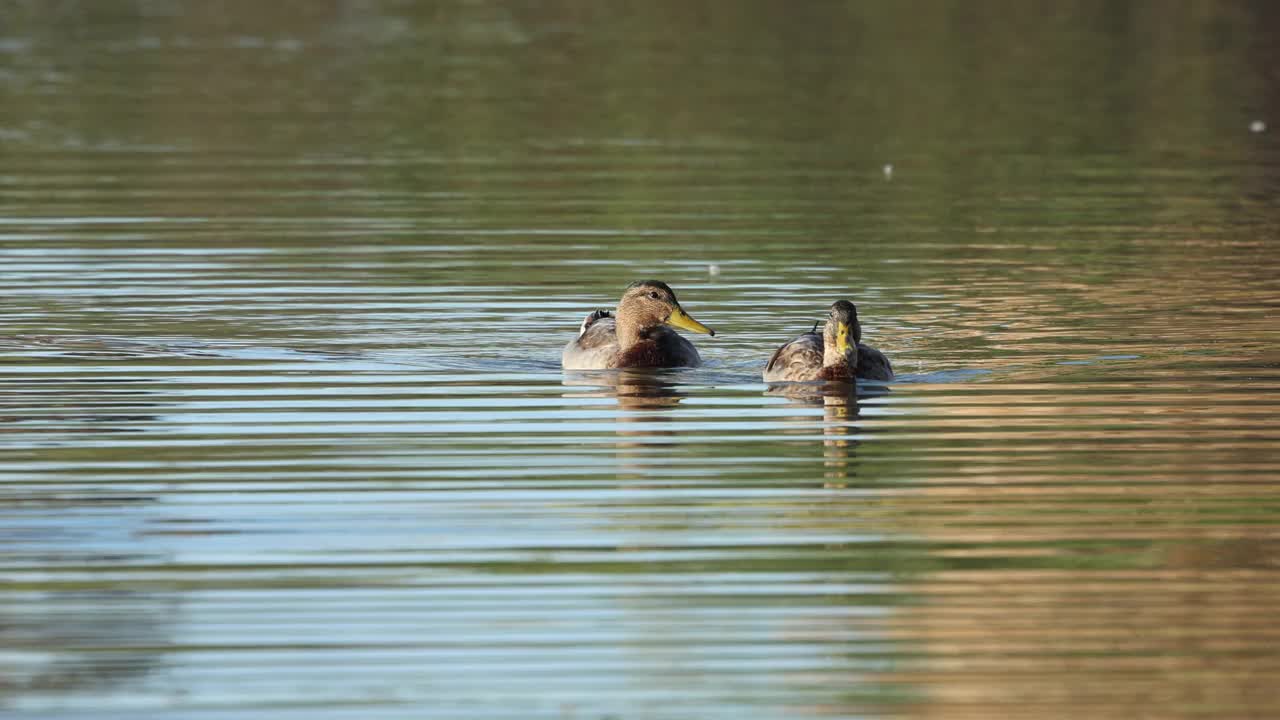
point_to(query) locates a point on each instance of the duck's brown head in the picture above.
(649, 303)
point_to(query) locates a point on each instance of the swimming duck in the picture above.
(636, 334)
(836, 355)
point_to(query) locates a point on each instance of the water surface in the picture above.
(285, 432)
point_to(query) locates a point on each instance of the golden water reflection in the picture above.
(1084, 559)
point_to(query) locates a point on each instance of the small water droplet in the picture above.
(888, 171)
(1257, 126)
(713, 269)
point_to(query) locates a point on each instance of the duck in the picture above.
(835, 355)
(638, 334)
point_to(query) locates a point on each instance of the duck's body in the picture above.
(800, 361)
(833, 355)
(636, 335)
(873, 365)
(597, 347)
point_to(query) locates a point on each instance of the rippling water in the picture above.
(285, 433)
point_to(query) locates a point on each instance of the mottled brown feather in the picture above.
(797, 361)
(872, 364)
(836, 373)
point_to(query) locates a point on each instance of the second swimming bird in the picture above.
(835, 355)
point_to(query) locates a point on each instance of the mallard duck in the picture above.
(636, 334)
(835, 355)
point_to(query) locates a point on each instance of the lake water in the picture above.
(285, 433)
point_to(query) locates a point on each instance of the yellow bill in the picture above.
(679, 318)
(842, 338)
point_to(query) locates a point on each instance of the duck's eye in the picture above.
(653, 294)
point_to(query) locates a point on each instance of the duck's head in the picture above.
(650, 303)
(841, 334)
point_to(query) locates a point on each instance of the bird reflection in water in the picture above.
(839, 403)
(645, 399)
(633, 389)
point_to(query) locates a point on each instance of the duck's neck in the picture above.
(629, 330)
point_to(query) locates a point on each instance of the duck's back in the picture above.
(797, 361)
(595, 347)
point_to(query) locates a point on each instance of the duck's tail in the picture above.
(594, 316)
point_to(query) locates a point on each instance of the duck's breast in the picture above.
(663, 348)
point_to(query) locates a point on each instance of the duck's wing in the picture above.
(872, 364)
(596, 345)
(798, 360)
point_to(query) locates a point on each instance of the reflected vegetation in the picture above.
(283, 429)
(49, 408)
(70, 645)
